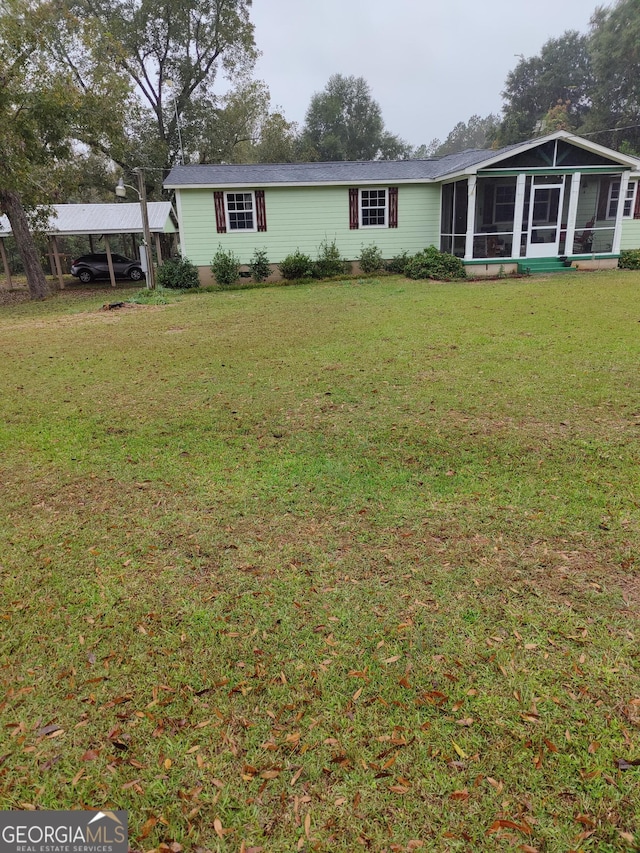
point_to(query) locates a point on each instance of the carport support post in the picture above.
(142, 192)
(158, 249)
(56, 257)
(109, 261)
(5, 262)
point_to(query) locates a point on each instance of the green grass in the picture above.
(329, 567)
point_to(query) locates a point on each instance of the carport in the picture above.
(96, 220)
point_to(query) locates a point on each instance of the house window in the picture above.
(373, 208)
(505, 203)
(240, 211)
(614, 198)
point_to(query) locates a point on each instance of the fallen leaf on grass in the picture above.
(147, 826)
(459, 795)
(50, 731)
(269, 774)
(624, 764)
(89, 755)
(497, 825)
(459, 750)
(467, 721)
(77, 777)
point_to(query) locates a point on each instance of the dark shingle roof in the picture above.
(341, 172)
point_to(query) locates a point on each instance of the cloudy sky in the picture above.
(429, 63)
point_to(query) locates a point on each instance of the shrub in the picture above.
(398, 264)
(629, 259)
(178, 274)
(370, 259)
(296, 265)
(330, 262)
(225, 267)
(432, 263)
(259, 265)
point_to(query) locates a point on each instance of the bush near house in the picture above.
(259, 265)
(398, 263)
(178, 274)
(371, 259)
(296, 265)
(432, 263)
(225, 266)
(329, 261)
(629, 259)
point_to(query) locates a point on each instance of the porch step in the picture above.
(535, 266)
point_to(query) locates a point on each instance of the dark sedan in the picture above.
(89, 267)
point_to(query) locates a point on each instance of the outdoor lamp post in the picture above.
(121, 192)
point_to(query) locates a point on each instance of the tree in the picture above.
(561, 73)
(42, 111)
(475, 133)
(615, 54)
(171, 52)
(343, 122)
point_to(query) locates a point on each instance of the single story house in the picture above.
(539, 205)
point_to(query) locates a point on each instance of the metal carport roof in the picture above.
(68, 219)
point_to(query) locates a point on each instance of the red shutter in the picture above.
(353, 209)
(393, 207)
(636, 207)
(221, 220)
(261, 211)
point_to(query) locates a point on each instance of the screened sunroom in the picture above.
(552, 200)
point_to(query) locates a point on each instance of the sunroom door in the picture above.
(545, 210)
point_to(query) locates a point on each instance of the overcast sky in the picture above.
(429, 63)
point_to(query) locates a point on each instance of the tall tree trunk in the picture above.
(10, 203)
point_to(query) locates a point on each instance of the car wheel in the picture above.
(135, 274)
(85, 276)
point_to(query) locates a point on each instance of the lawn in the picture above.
(337, 567)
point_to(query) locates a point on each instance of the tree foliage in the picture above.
(344, 122)
(43, 111)
(586, 83)
(171, 52)
(561, 73)
(477, 132)
(615, 57)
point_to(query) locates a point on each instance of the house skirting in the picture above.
(492, 268)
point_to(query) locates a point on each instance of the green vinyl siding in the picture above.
(302, 217)
(630, 233)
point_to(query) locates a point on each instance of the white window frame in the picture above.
(614, 198)
(253, 211)
(503, 204)
(385, 190)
